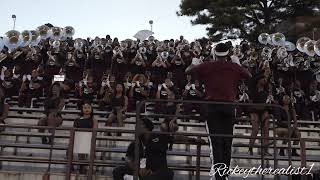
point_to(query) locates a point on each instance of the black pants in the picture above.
(119, 172)
(220, 121)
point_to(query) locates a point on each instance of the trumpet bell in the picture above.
(142, 50)
(55, 43)
(26, 38)
(301, 42)
(12, 39)
(278, 39)
(263, 38)
(35, 38)
(44, 31)
(309, 48)
(165, 55)
(69, 31)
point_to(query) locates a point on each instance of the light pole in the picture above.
(14, 17)
(151, 24)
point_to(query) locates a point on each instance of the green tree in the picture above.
(245, 18)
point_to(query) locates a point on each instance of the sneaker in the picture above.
(281, 152)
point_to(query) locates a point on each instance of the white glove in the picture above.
(85, 82)
(133, 84)
(138, 83)
(270, 99)
(24, 78)
(29, 77)
(108, 84)
(127, 177)
(103, 84)
(165, 86)
(188, 87)
(193, 86)
(159, 87)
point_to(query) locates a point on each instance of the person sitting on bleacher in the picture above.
(88, 89)
(4, 109)
(139, 90)
(53, 106)
(31, 88)
(153, 158)
(8, 84)
(119, 104)
(106, 92)
(193, 91)
(152, 154)
(282, 123)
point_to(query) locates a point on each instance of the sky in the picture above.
(91, 18)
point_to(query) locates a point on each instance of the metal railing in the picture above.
(233, 104)
(198, 168)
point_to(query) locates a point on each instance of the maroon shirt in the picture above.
(221, 79)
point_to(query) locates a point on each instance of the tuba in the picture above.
(278, 39)
(316, 47)
(68, 31)
(44, 31)
(309, 48)
(26, 38)
(301, 42)
(56, 33)
(12, 39)
(35, 38)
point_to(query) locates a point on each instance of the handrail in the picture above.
(197, 168)
(142, 103)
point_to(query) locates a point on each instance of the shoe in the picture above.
(44, 140)
(281, 152)
(294, 153)
(250, 151)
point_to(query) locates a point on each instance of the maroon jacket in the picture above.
(221, 79)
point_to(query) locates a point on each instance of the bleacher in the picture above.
(22, 150)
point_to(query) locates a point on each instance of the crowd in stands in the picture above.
(118, 75)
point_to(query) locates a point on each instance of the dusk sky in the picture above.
(119, 18)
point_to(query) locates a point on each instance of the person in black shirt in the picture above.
(31, 88)
(152, 155)
(119, 104)
(53, 106)
(282, 123)
(259, 94)
(85, 121)
(4, 109)
(139, 90)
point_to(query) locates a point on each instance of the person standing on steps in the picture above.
(221, 78)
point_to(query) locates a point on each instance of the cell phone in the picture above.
(58, 78)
